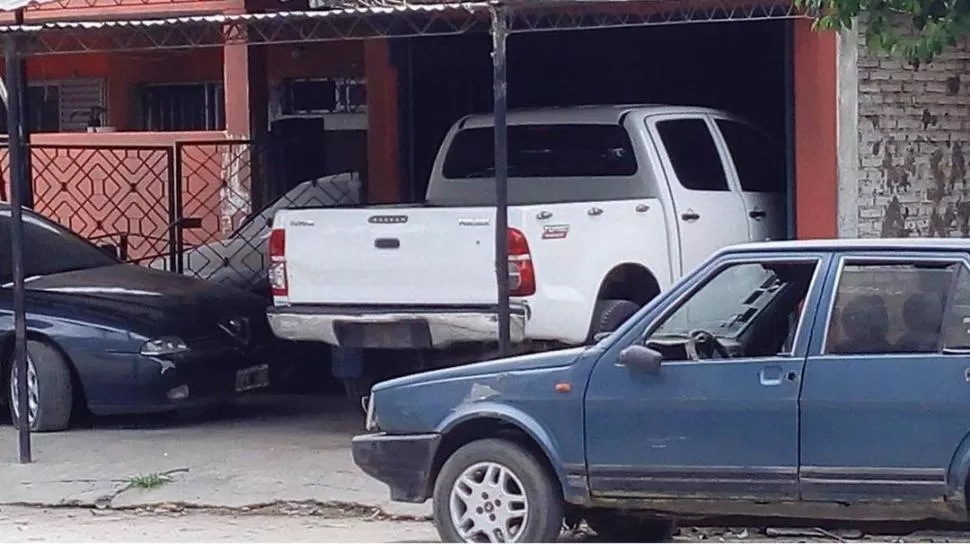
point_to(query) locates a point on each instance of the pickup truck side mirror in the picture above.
(640, 357)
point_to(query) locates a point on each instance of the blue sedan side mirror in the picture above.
(640, 357)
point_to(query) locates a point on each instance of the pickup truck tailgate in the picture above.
(393, 255)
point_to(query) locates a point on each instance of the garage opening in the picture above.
(740, 67)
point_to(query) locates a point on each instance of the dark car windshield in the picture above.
(48, 248)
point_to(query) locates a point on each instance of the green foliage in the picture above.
(148, 481)
(916, 30)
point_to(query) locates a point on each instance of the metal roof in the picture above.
(362, 19)
(14, 5)
(238, 18)
(857, 244)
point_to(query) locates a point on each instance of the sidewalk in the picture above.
(267, 450)
(68, 525)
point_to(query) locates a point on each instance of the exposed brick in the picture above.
(922, 119)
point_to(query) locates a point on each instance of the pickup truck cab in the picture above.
(608, 205)
(825, 382)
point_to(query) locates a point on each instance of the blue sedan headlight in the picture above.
(166, 345)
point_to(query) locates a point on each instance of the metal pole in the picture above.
(500, 31)
(26, 187)
(18, 175)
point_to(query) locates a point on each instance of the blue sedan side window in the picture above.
(746, 310)
(883, 308)
(957, 322)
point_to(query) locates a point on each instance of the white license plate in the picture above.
(254, 377)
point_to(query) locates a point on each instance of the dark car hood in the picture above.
(532, 361)
(146, 298)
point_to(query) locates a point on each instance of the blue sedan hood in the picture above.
(532, 361)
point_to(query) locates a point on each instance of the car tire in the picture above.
(53, 388)
(615, 526)
(609, 314)
(528, 495)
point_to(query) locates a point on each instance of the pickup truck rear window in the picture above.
(544, 151)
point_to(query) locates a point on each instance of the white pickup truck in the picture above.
(607, 206)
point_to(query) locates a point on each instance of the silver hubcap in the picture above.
(32, 392)
(488, 504)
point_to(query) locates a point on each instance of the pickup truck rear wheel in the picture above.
(494, 490)
(615, 526)
(609, 314)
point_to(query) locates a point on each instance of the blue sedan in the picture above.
(823, 382)
(113, 338)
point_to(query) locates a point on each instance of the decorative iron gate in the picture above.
(187, 207)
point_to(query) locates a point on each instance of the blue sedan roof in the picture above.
(857, 244)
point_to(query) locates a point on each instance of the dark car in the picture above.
(825, 383)
(116, 338)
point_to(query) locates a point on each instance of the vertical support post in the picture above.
(27, 187)
(789, 55)
(18, 180)
(499, 33)
(174, 213)
(176, 241)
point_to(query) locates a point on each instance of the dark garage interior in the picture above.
(741, 67)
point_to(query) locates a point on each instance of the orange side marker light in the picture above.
(563, 387)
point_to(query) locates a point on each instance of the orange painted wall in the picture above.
(123, 70)
(383, 178)
(816, 146)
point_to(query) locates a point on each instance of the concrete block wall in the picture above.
(913, 126)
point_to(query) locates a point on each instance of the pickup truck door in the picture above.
(715, 427)
(757, 165)
(888, 380)
(708, 208)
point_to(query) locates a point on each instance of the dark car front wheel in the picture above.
(494, 490)
(50, 392)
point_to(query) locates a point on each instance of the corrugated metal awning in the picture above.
(14, 5)
(216, 20)
(379, 21)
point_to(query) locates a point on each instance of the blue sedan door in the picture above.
(719, 417)
(885, 410)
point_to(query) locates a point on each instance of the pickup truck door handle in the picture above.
(594, 211)
(543, 215)
(690, 215)
(757, 213)
(641, 208)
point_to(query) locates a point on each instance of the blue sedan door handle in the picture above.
(774, 375)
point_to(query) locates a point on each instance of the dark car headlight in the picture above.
(166, 345)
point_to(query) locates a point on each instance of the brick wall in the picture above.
(914, 135)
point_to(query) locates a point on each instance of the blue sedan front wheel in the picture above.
(50, 391)
(495, 490)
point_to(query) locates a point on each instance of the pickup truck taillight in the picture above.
(277, 263)
(522, 275)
